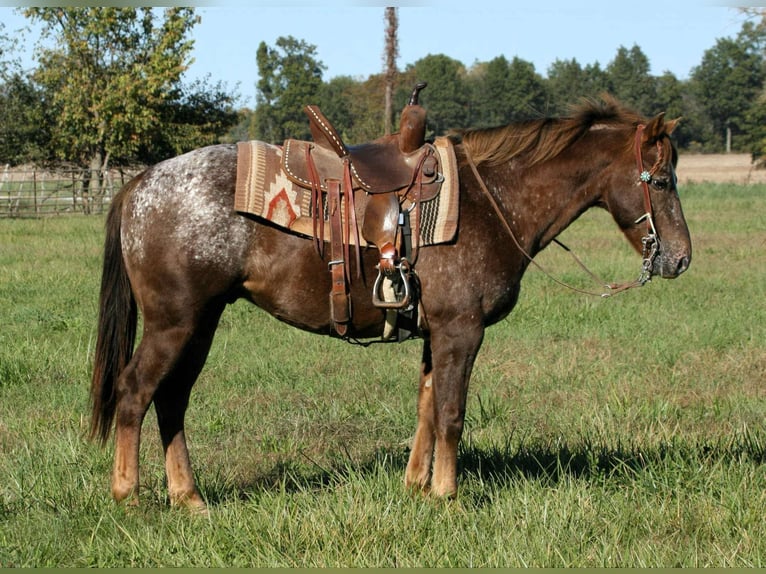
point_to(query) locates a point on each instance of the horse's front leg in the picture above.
(441, 404)
(418, 473)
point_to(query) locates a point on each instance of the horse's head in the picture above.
(645, 203)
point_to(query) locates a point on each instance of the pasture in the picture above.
(621, 432)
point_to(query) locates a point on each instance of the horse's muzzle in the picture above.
(672, 266)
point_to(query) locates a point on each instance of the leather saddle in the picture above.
(388, 177)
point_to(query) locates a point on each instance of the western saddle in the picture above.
(379, 183)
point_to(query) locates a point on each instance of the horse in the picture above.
(176, 251)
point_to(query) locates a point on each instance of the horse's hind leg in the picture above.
(170, 403)
(135, 390)
(164, 368)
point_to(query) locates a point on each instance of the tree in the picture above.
(24, 122)
(568, 83)
(630, 81)
(196, 115)
(566, 80)
(755, 118)
(338, 100)
(505, 92)
(22, 129)
(290, 76)
(447, 96)
(390, 55)
(107, 74)
(7, 64)
(727, 83)
(526, 89)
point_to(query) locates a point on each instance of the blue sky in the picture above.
(348, 36)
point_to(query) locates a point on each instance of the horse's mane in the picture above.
(542, 139)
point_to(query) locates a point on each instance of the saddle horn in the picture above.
(414, 97)
(412, 125)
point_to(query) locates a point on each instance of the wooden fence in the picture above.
(36, 192)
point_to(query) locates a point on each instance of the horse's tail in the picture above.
(117, 319)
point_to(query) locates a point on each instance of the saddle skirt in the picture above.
(265, 190)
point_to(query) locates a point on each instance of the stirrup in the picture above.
(404, 271)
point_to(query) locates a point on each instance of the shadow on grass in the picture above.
(497, 466)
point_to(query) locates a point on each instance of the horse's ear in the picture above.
(671, 125)
(655, 128)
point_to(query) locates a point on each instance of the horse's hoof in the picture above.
(191, 502)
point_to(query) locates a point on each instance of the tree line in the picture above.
(109, 90)
(722, 103)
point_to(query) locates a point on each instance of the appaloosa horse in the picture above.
(177, 251)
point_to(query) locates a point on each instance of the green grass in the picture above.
(621, 432)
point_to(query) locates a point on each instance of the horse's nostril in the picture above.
(683, 265)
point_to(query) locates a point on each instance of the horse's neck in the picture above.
(553, 194)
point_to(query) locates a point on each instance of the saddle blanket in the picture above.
(263, 190)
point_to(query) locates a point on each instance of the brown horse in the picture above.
(177, 251)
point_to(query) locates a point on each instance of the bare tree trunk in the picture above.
(728, 139)
(391, 53)
(91, 181)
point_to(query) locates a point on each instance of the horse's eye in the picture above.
(660, 183)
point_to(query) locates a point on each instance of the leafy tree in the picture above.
(568, 83)
(290, 77)
(672, 97)
(447, 96)
(566, 79)
(194, 116)
(366, 100)
(337, 98)
(754, 33)
(7, 63)
(243, 129)
(727, 83)
(22, 128)
(506, 91)
(630, 81)
(108, 73)
(526, 89)
(24, 122)
(756, 117)
(669, 95)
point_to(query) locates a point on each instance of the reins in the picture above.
(650, 241)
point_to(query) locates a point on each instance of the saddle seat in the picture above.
(391, 170)
(380, 166)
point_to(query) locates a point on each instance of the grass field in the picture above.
(623, 432)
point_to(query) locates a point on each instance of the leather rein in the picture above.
(650, 242)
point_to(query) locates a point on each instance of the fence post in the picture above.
(34, 190)
(74, 192)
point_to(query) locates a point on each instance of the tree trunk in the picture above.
(391, 53)
(728, 139)
(91, 181)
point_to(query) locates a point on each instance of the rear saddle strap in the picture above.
(340, 303)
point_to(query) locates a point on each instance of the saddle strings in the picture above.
(612, 288)
(317, 205)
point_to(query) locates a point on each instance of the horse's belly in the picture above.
(287, 278)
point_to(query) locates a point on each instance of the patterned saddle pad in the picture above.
(264, 190)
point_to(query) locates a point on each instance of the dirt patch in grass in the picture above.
(719, 168)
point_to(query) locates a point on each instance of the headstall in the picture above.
(650, 242)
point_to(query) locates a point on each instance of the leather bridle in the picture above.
(650, 242)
